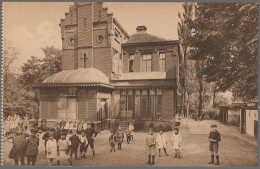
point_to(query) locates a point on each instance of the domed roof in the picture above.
(79, 76)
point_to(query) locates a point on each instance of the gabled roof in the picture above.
(146, 38)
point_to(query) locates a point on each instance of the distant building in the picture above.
(244, 115)
(108, 74)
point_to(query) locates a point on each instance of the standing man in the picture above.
(44, 123)
(90, 134)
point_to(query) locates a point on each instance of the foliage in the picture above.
(184, 34)
(138, 124)
(226, 40)
(220, 100)
(19, 95)
(36, 70)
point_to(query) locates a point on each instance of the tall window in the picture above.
(85, 23)
(115, 62)
(162, 61)
(131, 63)
(85, 60)
(146, 63)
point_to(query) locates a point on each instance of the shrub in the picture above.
(151, 125)
(168, 127)
(161, 127)
(139, 124)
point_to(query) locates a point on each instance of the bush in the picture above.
(161, 127)
(151, 125)
(139, 124)
(168, 127)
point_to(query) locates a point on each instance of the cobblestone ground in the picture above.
(235, 149)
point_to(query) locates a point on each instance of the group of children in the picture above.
(117, 136)
(12, 122)
(161, 140)
(65, 143)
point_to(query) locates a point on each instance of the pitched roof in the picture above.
(146, 38)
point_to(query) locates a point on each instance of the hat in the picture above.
(33, 130)
(214, 125)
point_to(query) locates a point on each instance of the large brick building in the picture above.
(108, 74)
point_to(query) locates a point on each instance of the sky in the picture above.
(31, 26)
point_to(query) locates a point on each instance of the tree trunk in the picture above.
(200, 91)
(214, 98)
(188, 105)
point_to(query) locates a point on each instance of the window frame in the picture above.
(131, 59)
(162, 69)
(146, 60)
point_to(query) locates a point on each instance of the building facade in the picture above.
(108, 74)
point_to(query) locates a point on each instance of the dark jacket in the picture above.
(90, 132)
(75, 141)
(215, 135)
(31, 145)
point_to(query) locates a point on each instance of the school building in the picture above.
(108, 74)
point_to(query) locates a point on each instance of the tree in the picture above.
(226, 40)
(10, 55)
(35, 71)
(192, 82)
(184, 33)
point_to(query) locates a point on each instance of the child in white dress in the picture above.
(51, 147)
(176, 142)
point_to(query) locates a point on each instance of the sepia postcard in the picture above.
(130, 84)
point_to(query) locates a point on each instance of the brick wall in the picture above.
(155, 61)
(103, 60)
(68, 59)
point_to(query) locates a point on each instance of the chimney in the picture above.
(141, 29)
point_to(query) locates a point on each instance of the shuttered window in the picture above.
(92, 109)
(49, 107)
(82, 109)
(44, 106)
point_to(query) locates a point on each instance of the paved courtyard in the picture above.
(235, 149)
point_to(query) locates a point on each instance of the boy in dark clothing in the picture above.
(214, 138)
(74, 139)
(112, 142)
(46, 137)
(128, 135)
(31, 146)
(90, 134)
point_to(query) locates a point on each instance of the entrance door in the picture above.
(243, 121)
(256, 128)
(103, 113)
